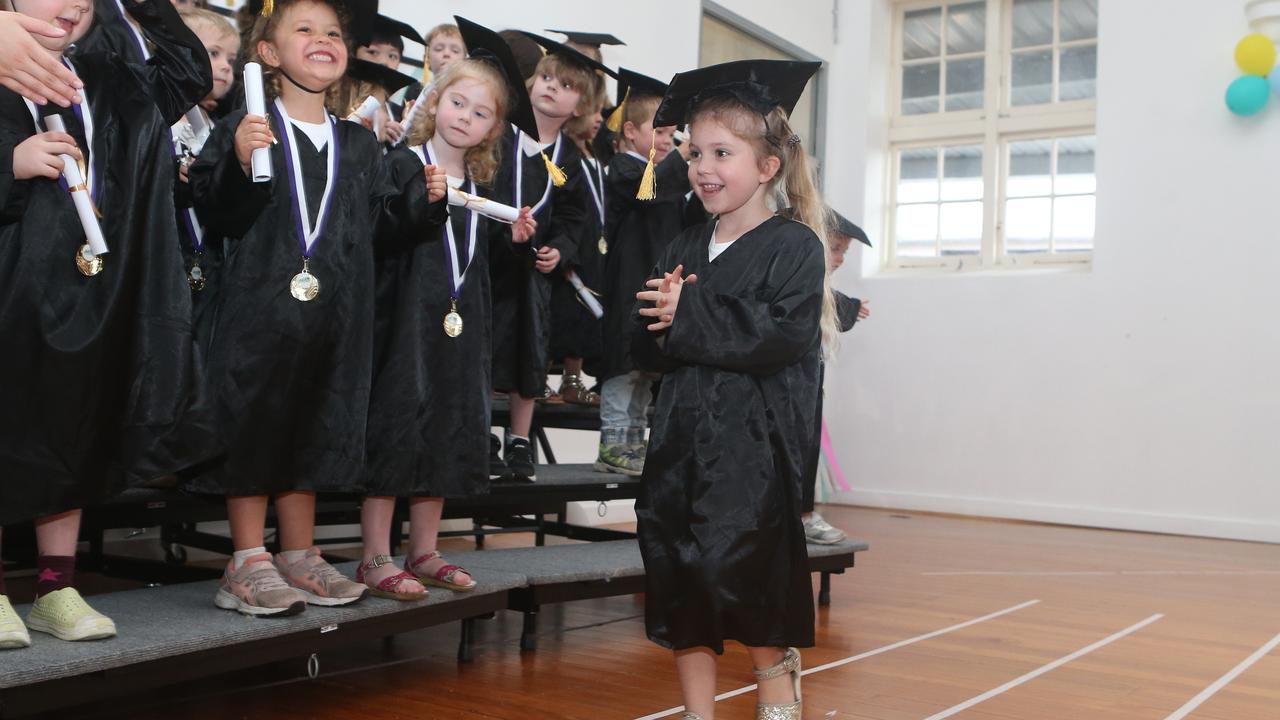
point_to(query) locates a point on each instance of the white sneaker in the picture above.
(820, 532)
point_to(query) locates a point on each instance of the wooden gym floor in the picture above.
(943, 617)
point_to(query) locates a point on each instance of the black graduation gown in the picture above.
(111, 33)
(719, 507)
(575, 332)
(291, 380)
(429, 412)
(209, 256)
(521, 294)
(638, 232)
(846, 317)
(98, 380)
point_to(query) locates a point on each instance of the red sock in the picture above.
(56, 572)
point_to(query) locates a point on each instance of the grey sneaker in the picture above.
(319, 582)
(257, 589)
(637, 442)
(619, 459)
(820, 532)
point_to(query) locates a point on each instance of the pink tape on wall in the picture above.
(832, 465)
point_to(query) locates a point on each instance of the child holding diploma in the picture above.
(429, 415)
(97, 377)
(291, 365)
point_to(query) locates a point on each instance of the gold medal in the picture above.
(453, 321)
(304, 286)
(195, 276)
(603, 245)
(88, 263)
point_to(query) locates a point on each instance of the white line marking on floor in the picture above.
(1073, 573)
(1043, 669)
(1222, 682)
(865, 655)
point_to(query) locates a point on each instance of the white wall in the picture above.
(1139, 395)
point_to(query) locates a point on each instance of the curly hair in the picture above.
(264, 30)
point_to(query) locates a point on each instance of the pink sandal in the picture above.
(442, 576)
(389, 586)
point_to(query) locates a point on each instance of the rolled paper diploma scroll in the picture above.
(367, 111)
(79, 194)
(484, 206)
(255, 103)
(407, 121)
(592, 304)
(200, 129)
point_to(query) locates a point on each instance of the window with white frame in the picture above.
(992, 133)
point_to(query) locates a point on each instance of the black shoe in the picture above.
(498, 469)
(520, 461)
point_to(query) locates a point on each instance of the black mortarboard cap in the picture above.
(759, 84)
(384, 26)
(635, 84)
(840, 224)
(589, 38)
(564, 51)
(378, 74)
(360, 16)
(487, 45)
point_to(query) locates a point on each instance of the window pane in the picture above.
(916, 231)
(1032, 77)
(1030, 168)
(961, 228)
(922, 34)
(966, 28)
(1032, 22)
(1075, 167)
(1079, 20)
(1079, 68)
(964, 84)
(1073, 223)
(918, 176)
(1026, 223)
(920, 86)
(962, 173)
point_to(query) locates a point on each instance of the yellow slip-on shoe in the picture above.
(66, 616)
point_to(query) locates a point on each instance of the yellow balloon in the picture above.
(1256, 54)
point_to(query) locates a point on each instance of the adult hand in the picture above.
(29, 69)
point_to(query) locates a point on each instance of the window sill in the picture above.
(1024, 269)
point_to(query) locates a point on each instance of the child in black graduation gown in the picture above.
(638, 231)
(98, 377)
(291, 363)
(550, 177)
(203, 253)
(741, 349)
(429, 411)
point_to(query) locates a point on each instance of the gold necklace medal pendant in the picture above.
(304, 286)
(195, 275)
(603, 246)
(86, 262)
(453, 321)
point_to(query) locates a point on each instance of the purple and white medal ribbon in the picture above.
(457, 266)
(304, 286)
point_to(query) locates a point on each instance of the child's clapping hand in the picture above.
(437, 182)
(253, 133)
(665, 297)
(524, 227)
(39, 155)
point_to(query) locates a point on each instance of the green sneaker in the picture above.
(637, 443)
(619, 459)
(13, 634)
(66, 616)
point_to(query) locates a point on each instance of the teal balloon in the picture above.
(1248, 95)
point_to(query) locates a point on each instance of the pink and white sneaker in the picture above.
(320, 582)
(258, 589)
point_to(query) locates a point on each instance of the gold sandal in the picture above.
(574, 391)
(789, 664)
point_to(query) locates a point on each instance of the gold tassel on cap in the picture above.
(268, 7)
(649, 183)
(615, 118)
(558, 177)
